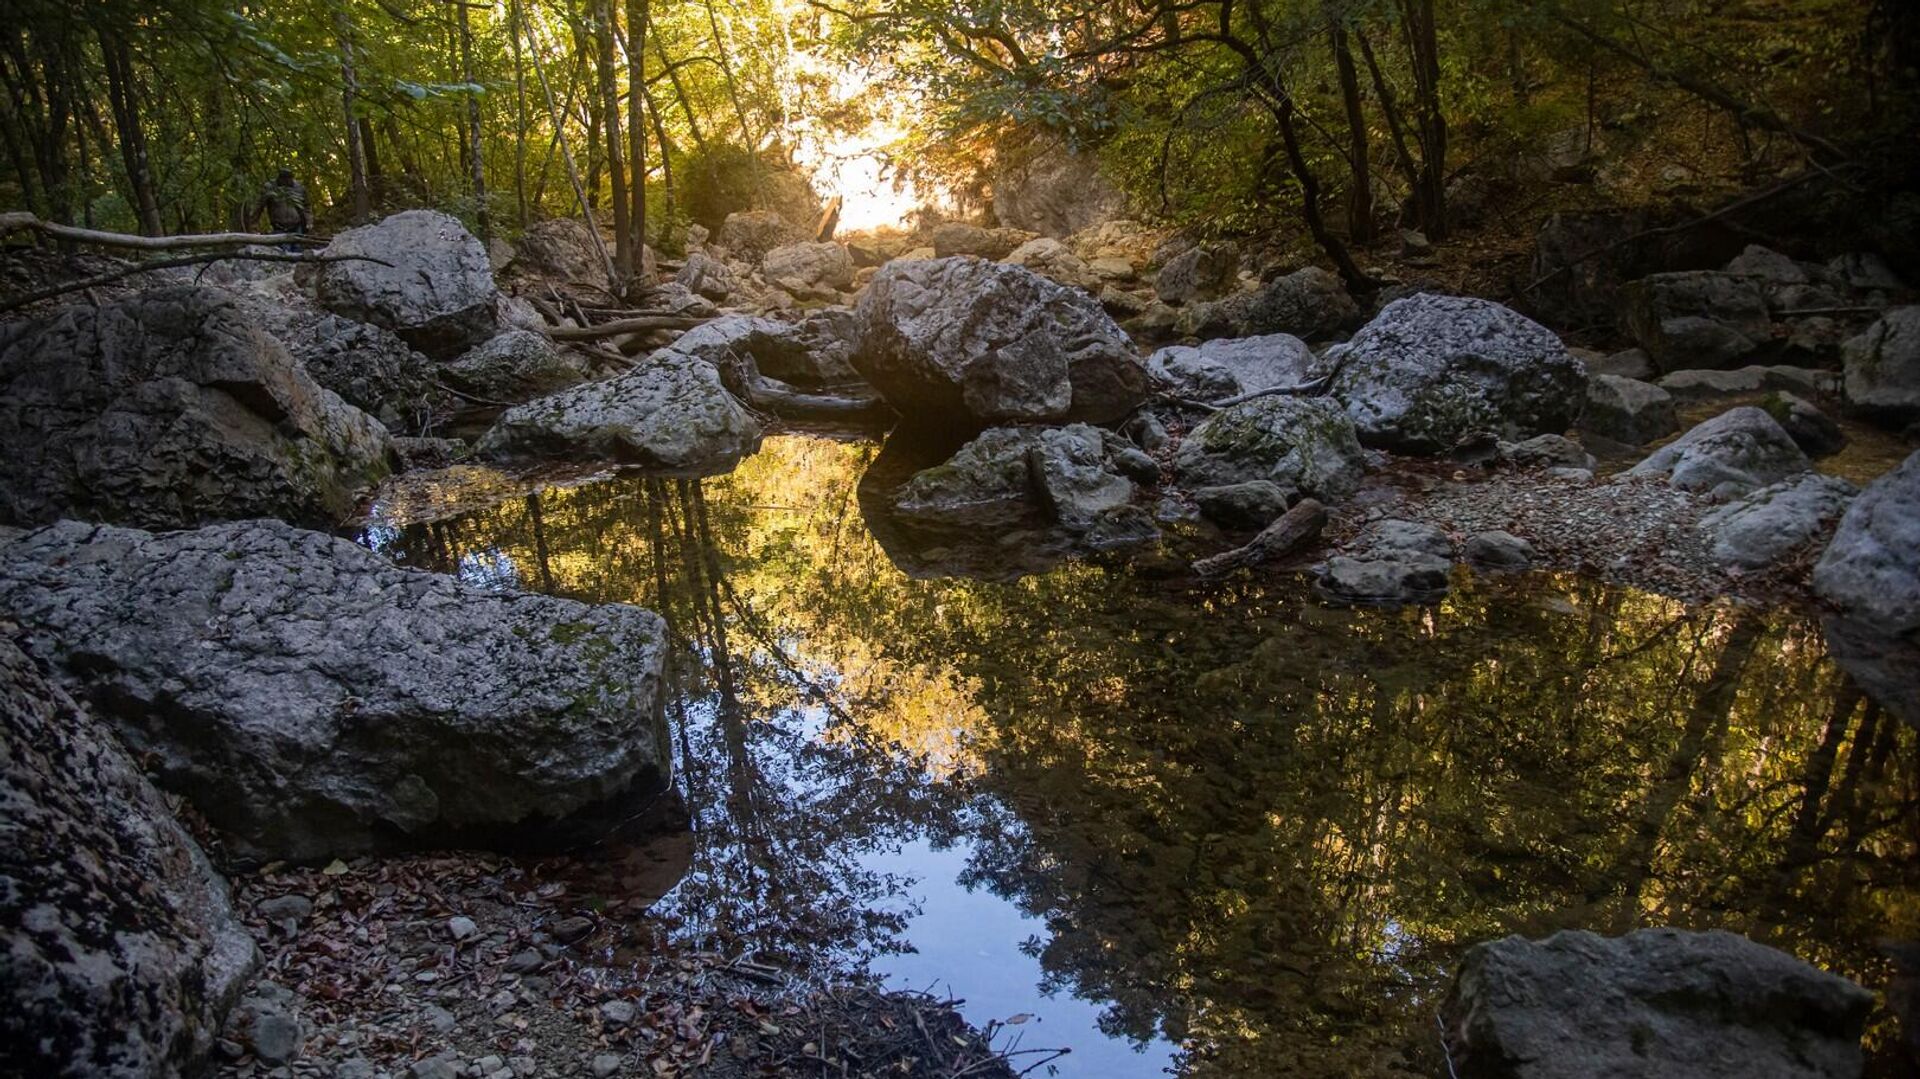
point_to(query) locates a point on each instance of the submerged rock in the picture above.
(1305, 445)
(1010, 475)
(1883, 366)
(1871, 570)
(1732, 454)
(1763, 527)
(1654, 1002)
(1392, 562)
(311, 699)
(670, 413)
(1431, 370)
(119, 951)
(168, 409)
(435, 290)
(1228, 367)
(958, 342)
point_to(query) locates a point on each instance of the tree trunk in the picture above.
(680, 91)
(1430, 189)
(1283, 112)
(1360, 228)
(666, 156)
(117, 57)
(349, 104)
(1390, 110)
(519, 115)
(637, 18)
(475, 161)
(603, 35)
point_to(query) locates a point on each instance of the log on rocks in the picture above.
(1292, 529)
(20, 220)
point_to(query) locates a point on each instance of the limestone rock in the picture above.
(436, 290)
(1811, 429)
(1305, 445)
(963, 343)
(749, 234)
(671, 413)
(1732, 454)
(706, 276)
(1761, 528)
(516, 366)
(1654, 1002)
(812, 270)
(1431, 370)
(1871, 570)
(311, 699)
(1050, 258)
(119, 950)
(1696, 318)
(564, 250)
(1228, 367)
(1201, 272)
(170, 408)
(1628, 411)
(1010, 475)
(954, 238)
(1882, 366)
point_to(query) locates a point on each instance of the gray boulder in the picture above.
(435, 288)
(563, 249)
(749, 234)
(1764, 527)
(311, 699)
(1627, 363)
(1545, 451)
(1882, 366)
(170, 408)
(1201, 272)
(1754, 378)
(369, 366)
(1497, 550)
(1230, 366)
(1628, 410)
(1811, 429)
(1657, 1002)
(671, 413)
(1871, 570)
(1309, 303)
(1056, 261)
(1013, 475)
(955, 238)
(1431, 370)
(706, 276)
(1732, 454)
(1392, 562)
(518, 365)
(809, 270)
(1304, 445)
(959, 342)
(119, 951)
(1696, 318)
(1247, 507)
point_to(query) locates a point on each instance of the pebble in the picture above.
(444, 1066)
(461, 927)
(439, 1018)
(605, 1064)
(275, 1036)
(617, 1013)
(524, 962)
(569, 930)
(285, 908)
(488, 1064)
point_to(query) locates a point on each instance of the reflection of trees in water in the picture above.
(783, 817)
(1261, 827)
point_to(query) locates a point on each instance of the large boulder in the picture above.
(671, 413)
(563, 249)
(119, 951)
(960, 342)
(1883, 366)
(749, 234)
(706, 276)
(171, 408)
(369, 366)
(1050, 258)
(516, 366)
(1227, 367)
(1201, 272)
(1628, 410)
(1871, 570)
(1652, 1003)
(1431, 370)
(311, 699)
(1697, 318)
(1732, 454)
(1304, 445)
(1764, 527)
(431, 283)
(1309, 303)
(809, 270)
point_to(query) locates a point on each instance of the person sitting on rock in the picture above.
(285, 203)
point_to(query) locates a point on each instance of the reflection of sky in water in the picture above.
(489, 569)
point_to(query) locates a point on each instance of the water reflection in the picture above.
(1251, 831)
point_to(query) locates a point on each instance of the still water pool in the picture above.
(1221, 829)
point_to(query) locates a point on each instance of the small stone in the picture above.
(1498, 551)
(461, 927)
(444, 1066)
(524, 962)
(354, 1068)
(440, 1019)
(572, 930)
(285, 908)
(488, 1064)
(275, 1036)
(617, 1013)
(605, 1064)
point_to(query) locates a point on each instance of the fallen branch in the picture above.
(110, 277)
(21, 220)
(1312, 387)
(1296, 526)
(625, 325)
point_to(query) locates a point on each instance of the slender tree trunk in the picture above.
(666, 158)
(604, 30)
(1360, 227)
(122, 96)
(1284, 112)
(638, 15)
(349, 105)
(519, 115)
(1430, 191)
(1390, 110)
(680, 92)
(573, 170)
(370, 149)
(476, 162)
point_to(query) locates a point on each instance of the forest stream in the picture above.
(1229, 830)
